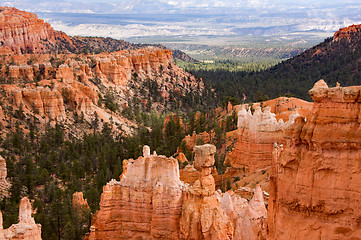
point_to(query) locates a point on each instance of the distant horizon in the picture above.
(185, 25)
(308, 7)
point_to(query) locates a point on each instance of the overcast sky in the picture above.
(171, 6)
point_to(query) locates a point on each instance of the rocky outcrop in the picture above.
(346, 32)
(26, 229)
(145, 204)
(23, 32)
(202, 215)
(79, 202)
(256, 134)
(248, 218)
(150, 202)
(42, 100)
(4, 184)
(191, 140)
(316, 176)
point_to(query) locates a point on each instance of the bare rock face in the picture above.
(346, 32)
(202, 215)
(256, 134)
(248, 218)
(43, 100)
(23, 32)
(4, 184)
(79, 202)
(145, 204)
(26, 229)
(316, 177)
(191, 140)
(150, 202)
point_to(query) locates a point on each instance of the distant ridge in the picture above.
(337, 59)
(23, 32)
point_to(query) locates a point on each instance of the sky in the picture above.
(172, 6)
(125, 19)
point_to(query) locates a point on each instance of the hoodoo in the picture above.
(150, 202)
(316, 177)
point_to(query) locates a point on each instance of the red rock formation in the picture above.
(191, 140)
(26, 229)
(249, 218)
(346, 32)
(4, 184)
(150, 202)
(146, 203)
(23, 32)
(79, 202)
(182, 158)
(189, 174)
(202, 215)
(316, 179)
(43, 101)
(256, 135)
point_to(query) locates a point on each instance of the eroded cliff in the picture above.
(256, 134)
(150, 202)
(316, 176)
(146, 203)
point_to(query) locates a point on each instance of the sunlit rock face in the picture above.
(202, 215)
(25, 229)
(316, 176)
(24, 32)
(4, 184)
(145, 204)
(150, 202)
(249, 218)
(256, 134)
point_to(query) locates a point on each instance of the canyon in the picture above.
(60, 86)
(150, 202)
(316, 174)
(292, 167)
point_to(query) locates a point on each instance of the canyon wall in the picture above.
(316, 176)
(150, 202)
(145, 204)
(23, 32)
(26, 229)
(256, 134)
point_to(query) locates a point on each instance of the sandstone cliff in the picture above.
(150, 202)
(316, 176)
(26, 229)
(256, 134)
(23, 32)
(248, 218)
(145, 204)
(79, 202)
(57, 87)
(346, 32)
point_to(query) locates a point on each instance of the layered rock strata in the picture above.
(26, 229)
(316, 176)
(145, 204)
(79, 202)
(202, 215)
(23, 32)
(150, 202)
(256, 134)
